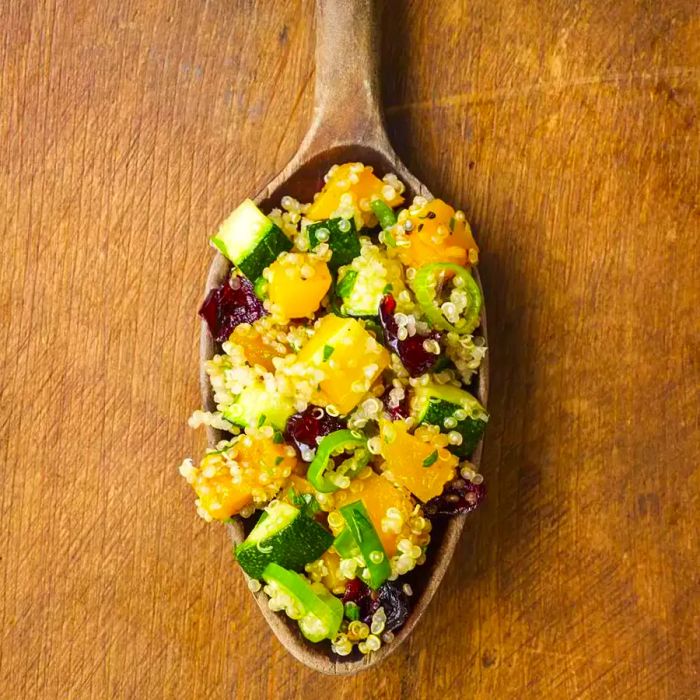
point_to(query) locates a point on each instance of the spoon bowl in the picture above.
(347, 126)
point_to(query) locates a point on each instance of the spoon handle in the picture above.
(347, 104)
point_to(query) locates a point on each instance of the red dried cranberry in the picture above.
(415, 358)
(390, 596)
(395, 603)
(363, 596)
(302, 429)
(396, 412)
(458, 496)
(355, 591)
(227, 306)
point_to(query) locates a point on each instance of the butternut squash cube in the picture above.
(361, 186)
(350, 358)
(416, 461)
(379, 495)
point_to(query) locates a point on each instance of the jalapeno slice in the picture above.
(425, 286)
(322, 473)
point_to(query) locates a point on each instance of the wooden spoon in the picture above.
(347, 126)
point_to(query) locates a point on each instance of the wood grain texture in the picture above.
(569, 133)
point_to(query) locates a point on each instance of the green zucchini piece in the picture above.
(436, 403)
(362, 286)
(257, 406)
(285, 536)
(341, 236)
(346, 283)
(250, 240)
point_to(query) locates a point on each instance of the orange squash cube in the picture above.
(415, 461)
(256, 352)
(350, 358)
(379, 495)
(366, 188)
(437, 235)
(298, 283)
(250, 470)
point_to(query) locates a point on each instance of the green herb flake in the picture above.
(311, 505)
(306, 503)
(278, 461)
(352, 611)
(295, 497)
(327, 352)
(261, 420)
(389, 239)
(388, 288)
(430, 459)
(277, 437)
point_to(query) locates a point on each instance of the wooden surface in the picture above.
(569, 133)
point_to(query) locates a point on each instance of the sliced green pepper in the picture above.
(322, 612)
(384, 213)
(425, 286)
(336, 443)
(345, 545)
(370, 546)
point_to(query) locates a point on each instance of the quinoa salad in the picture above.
(348, 344)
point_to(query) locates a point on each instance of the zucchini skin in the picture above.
(264, 253)
(248, 410)
(471, 429)
(301, 541)
(344, 245)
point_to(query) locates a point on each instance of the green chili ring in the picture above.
(321, 478)
(384, 213)
(359, 524)
(424, 287)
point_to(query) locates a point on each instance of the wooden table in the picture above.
(569, 133)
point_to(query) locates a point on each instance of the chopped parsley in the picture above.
(352, 610)
(327, 352)
(430, 459)
(306, 503)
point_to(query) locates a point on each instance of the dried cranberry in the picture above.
(395, 603)
(458, 496)
(303, 428)
(227, 306)
(390, 596)
(363, 596)
(396, 412)
(415, 358)
(355, 591)
(369, 606)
